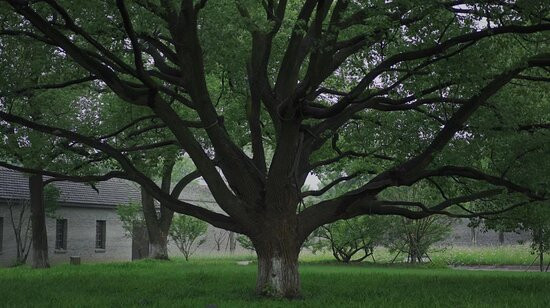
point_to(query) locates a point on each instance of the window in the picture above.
(1, 233)
(61, 234)
(100, 230)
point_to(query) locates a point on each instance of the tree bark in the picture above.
(278, 263)
(158, 224)
(232, 242)
(158, 248)
(541, 252)
(541, 261)
(278, 274)
(158, 240)
(140, 243)
(474, 235)
(38, 222)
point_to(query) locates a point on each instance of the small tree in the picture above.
(540, 241)
(20, 220)
(415, 237)
(351, 240)
(131, 216)
(534, 219)
(219, 237)
(186, 232)
(21, 229)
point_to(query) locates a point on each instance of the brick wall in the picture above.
(81, 235)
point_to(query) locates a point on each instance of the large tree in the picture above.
(260, 94)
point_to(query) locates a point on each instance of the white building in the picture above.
(85, 224)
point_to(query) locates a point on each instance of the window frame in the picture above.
(61, 243)
(100, 234)
(1, 234)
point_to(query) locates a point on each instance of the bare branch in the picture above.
(50, 86)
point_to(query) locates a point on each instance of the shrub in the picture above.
(415, 237)
(187, 233)
(351, 240)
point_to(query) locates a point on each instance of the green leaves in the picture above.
(351, 240)
(131, 216)
(186, 232)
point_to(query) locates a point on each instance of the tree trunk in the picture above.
(541, 261)
(38, 222)
(278, 265)
(140, 242)
(278, 274)
(541, 254)
(158, 247)
(232, 242)
(158, 240)
(158, 223)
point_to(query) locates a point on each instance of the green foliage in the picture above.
(501, 255)
(51, 200)
(245, 242)
(225, 31)
(351, 240)
(406, 102)
(415, 237)
(131, 216)
(401, 235)
(535, 219)
(187, 232)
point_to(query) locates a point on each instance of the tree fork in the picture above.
(158, 240)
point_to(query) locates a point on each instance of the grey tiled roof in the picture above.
(197, 192)
(15, 185)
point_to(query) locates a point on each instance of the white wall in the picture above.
(81, 232)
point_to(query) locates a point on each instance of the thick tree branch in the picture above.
(180, 186)
(471, 173)
(56, 176)
(132, 173)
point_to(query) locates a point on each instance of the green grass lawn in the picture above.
(497, 255)
(222, 282)
(441, 257)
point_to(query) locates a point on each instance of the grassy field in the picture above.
(221, 282)
(498, 255)
(442, 257)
